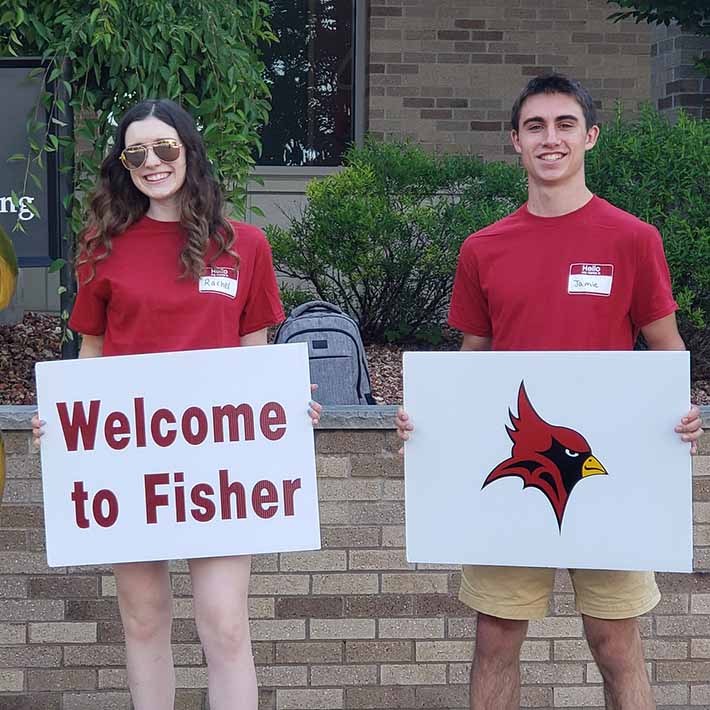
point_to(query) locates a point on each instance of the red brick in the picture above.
(604, 49)
(452, 34)
(309, 651)
(468, 47)
(486, 59)
(487, 36)
(446, 698)
(350, 536)
(379, 605)
(378, 651)
(380, 11)
(194, 699)
(61, 679)
(402, 68)
(21, 516)
(486, 126)
(13, 540)
(453, 58)
(69, 587)
(452, 103)
(697, 582)
(92, 610)
(519, 58)
(31, 701)
(535, 71)
(440, 605)
(386, 697)
(435, 113)
(418, 103)
(321, 607)
(470, 24)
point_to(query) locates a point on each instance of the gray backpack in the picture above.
(336, 355)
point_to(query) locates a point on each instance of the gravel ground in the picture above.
(38, 338)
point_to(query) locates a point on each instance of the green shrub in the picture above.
(381, 238)
(659, 171)
(293, 296)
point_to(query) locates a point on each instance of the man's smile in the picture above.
(551, 157)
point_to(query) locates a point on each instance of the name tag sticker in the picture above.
(220, 280)
(592, 279)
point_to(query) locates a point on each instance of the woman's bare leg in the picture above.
(220, 587)
(145, 601)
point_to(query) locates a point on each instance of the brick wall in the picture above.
(675, 82)
(446, 72)
(351, 626)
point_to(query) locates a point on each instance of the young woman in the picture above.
(156, 234)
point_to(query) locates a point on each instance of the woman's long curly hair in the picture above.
(117, 203)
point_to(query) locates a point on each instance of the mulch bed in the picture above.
(38, 338)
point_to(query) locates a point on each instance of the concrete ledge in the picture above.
(359, 417)
(17, 417)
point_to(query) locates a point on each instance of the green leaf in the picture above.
(56, 265)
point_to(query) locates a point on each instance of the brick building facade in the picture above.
(675, 82)
(446, 73)
(352, 626)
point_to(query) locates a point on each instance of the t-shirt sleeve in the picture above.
(88, 315)
(263, 305)
(652, 297)
(469, 308)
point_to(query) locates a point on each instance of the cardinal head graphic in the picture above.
(551, 458)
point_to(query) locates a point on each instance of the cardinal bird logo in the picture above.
(552, 459)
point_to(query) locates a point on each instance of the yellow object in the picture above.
(8, 270)
(2, 467)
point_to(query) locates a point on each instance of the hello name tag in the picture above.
(592, 279)
(220, 280)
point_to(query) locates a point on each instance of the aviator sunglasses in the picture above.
(166, 149)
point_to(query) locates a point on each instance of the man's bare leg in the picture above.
(495, 672)
(616, 647)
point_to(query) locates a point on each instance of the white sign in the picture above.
(548, 459)
(178, 455)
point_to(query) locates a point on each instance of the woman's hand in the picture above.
(314, 409)
(37, 430)
(404, 427)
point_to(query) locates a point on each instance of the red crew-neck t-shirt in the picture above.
(587, 280)
(140, 304)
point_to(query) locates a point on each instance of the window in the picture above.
(310, 71)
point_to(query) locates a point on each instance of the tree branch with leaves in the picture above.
(102, 56)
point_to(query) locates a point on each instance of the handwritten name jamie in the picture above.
(586, 284)
(226, 422)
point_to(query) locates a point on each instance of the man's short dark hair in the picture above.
(555, 84)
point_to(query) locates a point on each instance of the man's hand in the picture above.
(690, 428)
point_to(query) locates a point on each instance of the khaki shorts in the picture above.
(524, 592)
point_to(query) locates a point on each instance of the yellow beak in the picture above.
(592, 467)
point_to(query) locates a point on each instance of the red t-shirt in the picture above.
(588, 280)
(140, 304)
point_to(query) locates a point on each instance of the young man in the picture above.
(514, 291)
